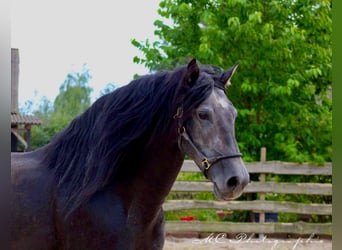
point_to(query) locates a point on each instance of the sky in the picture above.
(57, 37)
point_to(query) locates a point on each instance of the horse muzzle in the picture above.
(229, 177)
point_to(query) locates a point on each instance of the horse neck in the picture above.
(157, 172)
(161, 167)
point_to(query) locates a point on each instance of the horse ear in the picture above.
(192, 72)
(226, 76)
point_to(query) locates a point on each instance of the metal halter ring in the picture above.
(179, 113)
(206, 164)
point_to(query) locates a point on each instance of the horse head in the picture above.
(207, 133)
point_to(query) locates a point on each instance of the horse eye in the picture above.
(203, 115)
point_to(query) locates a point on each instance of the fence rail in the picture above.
(259, 206)
(257, 187)
(256, 205)
(274, 167)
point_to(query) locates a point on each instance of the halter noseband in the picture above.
(206, 162)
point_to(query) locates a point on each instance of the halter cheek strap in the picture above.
(202, 161)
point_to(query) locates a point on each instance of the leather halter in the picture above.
(206, 162)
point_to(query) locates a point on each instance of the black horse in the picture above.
(101, 182)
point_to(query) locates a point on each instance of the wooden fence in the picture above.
(260, 206)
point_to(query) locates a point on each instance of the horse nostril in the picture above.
(233, 181)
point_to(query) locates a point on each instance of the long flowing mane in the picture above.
(97, 147)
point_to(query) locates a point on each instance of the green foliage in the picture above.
(184, 176)
(72, 100)
(284, 50)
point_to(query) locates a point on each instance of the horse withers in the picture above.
(101, 182)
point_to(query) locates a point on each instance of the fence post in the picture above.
(262, 179)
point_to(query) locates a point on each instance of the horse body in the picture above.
(115, 218)
(101, 182)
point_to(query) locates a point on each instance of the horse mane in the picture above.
(111, 135)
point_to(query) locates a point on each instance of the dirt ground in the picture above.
(221, 242)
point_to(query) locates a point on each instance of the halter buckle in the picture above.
(206, 164)
(179, 113)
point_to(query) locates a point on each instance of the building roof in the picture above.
(24, 119)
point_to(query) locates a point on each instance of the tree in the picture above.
(110, 87)
(282, 87)
(72, 100)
